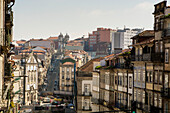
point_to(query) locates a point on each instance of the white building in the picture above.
(122, 39)
(31, 87)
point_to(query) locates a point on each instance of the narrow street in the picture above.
(53, 73)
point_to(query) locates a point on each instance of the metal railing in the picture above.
(158, 57)
(87, 93)
(87, 108)
(146, 57)
(166, 32)
(165, 92)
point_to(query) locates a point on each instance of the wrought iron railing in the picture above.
(146, 57)
(158, 57)
(165, 92)
(166, 33)
(87, 94)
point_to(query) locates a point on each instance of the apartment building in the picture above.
(84, 92)
(161, 57)
(142, 55)
(66, 76)
(85, 87)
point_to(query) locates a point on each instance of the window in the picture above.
(166, 81)
(160, 77)
(135, 92)
(160, 101)
(139, 75)
(116, 80)
(72, 69)
(67, 69)
(62, 76)
(143, 95)
(156, 47)
(107, 79)
(155, 100)
(156, 77)
(125, 81)
(151, 77)
(140, 52)
(161, 46)
(86, 88)
(166, 55)
(135, 73)
(139, 96)
(130, 82)
(147, 77)
(136, 51)
(63, 69)
(146, 99)
(166, 107)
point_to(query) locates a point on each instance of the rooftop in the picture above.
(52, 38)
(146, 33)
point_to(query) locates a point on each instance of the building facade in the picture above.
(31, 82)
(84, 92)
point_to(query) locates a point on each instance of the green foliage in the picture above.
(98, 67)
(167, 16)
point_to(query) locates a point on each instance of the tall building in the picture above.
(161, 69)
(101, 35)
(121, 39)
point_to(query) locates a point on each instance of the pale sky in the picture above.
(45, 18)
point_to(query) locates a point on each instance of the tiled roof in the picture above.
(16, 57)
(68, 63)
(109, 56)
(147, 41)
(90, 63)
(51, 38)
(20, 42)
(146, 33)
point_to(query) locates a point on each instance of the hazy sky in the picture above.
(45, 18)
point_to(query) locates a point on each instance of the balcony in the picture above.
(122, 66)
(87, 94)
(67, 85)
(166, 33)
(9, 19)
(67, 78)
(146, 57)
(158, 57)
(165, 92)
(87, 108)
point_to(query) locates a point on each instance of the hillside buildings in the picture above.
(136, 79)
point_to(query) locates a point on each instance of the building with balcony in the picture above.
(84, 92)
(66, 76)
(143, 54)
(161, 66)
